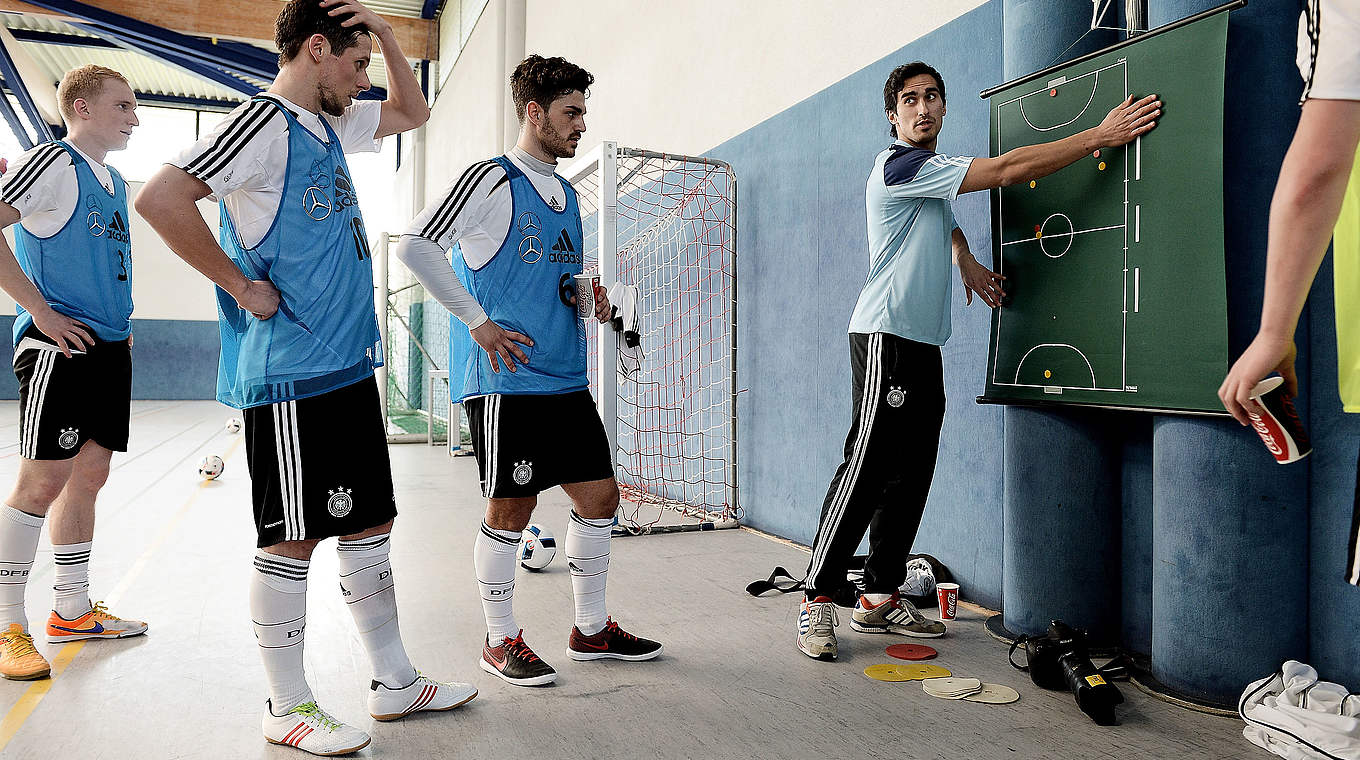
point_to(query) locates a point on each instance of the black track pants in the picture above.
(889, 461)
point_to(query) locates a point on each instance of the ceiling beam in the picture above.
(240, 19)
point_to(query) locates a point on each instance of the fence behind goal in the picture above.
(669, 227)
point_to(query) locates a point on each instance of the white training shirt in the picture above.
(473, 211)
(248, 152)
(41, 185)
(1329, 49)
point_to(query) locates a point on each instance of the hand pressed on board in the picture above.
(981, 280)
(1129, 120)
(500, 343)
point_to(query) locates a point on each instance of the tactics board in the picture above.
(1114, 264)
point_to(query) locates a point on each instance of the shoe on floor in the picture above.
(817, 621)
(311, 729)
(19, 659)
(424, 693)
(611, 643)
(515, 663)
(95, 624)
(894, 615)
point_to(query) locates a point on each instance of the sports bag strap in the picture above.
(756, 588)
(1011, 654)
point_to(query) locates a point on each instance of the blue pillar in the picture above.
(1230, 527)
(1061, 504)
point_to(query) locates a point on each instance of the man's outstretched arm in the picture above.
(1126, 122)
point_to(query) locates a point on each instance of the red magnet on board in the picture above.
(1053, 93)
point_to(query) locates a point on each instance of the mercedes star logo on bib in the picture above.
(96, 223)
(315, 203)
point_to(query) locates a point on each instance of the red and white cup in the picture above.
(1279, 425)
(948, 594)
(585, 295)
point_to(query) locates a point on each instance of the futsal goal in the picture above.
(666, 224)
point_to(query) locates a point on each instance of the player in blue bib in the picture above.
(299, 345)
(901, 319)
(71, 276)
(518, 363)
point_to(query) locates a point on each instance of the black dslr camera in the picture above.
(1060, 660)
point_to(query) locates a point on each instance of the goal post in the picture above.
(666, 223)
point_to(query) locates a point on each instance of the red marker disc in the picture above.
(911, 652)
(1053, 93)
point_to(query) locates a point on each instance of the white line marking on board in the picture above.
(1095, 86)
(1137, 222)
(1089, 368)
(1064, 234)
(1138, 157)
(1137, 284)
(1056, 82)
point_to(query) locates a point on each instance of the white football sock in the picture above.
(278, 607)
(493, 555)
(367, 586)
(588, 559)
(19, 533)
(71, 585)
(877, 599)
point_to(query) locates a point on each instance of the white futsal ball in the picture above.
(537, 547)
(233, 424)
(210, 467)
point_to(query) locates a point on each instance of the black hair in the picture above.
(300, 19)
(544, 80)
(898, 77)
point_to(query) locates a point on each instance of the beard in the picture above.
(555, 143)
(332, 103)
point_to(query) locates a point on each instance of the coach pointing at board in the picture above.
(899, 323)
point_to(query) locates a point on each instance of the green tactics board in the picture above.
(1114, 264)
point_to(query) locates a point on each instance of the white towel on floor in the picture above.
(1294, 715)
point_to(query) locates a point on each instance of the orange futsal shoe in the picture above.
(19, 659)
(95, 624)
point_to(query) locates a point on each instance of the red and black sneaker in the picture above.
(514, 662)
(612, 643)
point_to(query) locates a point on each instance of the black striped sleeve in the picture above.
(29, 169)
(214, 153)
(440, 219)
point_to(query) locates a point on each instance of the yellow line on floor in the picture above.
(18, 715)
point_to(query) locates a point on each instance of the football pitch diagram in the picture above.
(1114, 264)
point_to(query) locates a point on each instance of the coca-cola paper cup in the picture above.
(1279, 426)
(949, 599)
(585, 295)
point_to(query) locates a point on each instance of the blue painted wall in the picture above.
(171, 359)
(802, 257)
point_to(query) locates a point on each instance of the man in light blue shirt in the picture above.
(900, 321)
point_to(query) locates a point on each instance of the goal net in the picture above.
(666, 224)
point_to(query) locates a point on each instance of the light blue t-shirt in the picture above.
(911, 277)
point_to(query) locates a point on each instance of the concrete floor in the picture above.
(176, 552)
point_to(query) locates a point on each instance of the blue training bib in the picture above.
(325, 334)
(525, 288)
(84, 270)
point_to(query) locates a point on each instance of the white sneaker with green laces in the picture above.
(424, 693)
(311, 729)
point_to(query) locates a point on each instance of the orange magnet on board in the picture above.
(1095, 155)
(1033, 184)
(1053, 93)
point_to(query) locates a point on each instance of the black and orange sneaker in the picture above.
(514, 662)
(612, 643)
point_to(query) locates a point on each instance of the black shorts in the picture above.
(64, 402)
(528, 444)
(319, 465)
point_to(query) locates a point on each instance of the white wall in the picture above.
(679, 77)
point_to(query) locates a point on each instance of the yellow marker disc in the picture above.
(1048, 373)
(1033, 184)
(919, 671)
(885, 672)
(1101, 166)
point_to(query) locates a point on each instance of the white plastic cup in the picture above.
(585, 295)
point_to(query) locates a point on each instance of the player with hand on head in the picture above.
(515, 231)
(900, 321)
(71, 275)
(1321, 160)
(299, 346)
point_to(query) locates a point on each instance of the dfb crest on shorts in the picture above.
(896, 396)
(523, 472)
(340, 502)
(68, 438)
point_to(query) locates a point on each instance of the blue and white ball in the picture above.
(537, 547)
